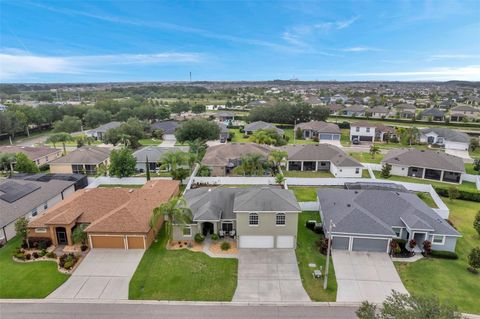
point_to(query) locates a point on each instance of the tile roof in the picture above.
(320, 152)
(32, 153)
(84, 155)
(221, 155)
(320, 127)
(112, 210)
(424, 158)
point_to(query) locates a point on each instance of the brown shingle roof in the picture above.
(33, 153)
(221, 155)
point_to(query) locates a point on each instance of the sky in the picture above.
(114, 41)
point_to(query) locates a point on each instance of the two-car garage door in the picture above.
(360, 243)
(267, 242)
(117, 241)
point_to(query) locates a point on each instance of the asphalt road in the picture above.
(40, 310)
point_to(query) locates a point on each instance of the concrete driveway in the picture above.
(365, 276)
(102, 274)
(462, 154)
(269, 275)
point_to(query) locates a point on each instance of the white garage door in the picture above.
(285, 242)
(256, 241)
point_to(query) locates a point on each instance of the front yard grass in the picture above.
(449, 280)
(318, 174)
(149, 142)
(469, 169)
(365, 157)
(238, 136)
(304, 193)
(182, 275)
(307, 252)
(27, 280)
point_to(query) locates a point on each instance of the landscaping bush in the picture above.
(474, 260)
(35, 255)
(51, 255)
(28, 256)
(462, 194)
(67, 260)
(42, 253)
(214, 237)
(443, 254)
(322, 245)
(395, 248)
(318, 228)
(83, 247)
(412, 243)
(427, 247)
(225, 246)
(344, 125)
(20, 256)
(40, 242)
(310, 224)
(199, 238)
(68, 265)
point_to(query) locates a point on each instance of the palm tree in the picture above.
(196, 146)
(125, 139)
(374, 150)
(61, 137)
(6, 161)
(176, 210)
(252, 164)
(275, 158)
(172, 159)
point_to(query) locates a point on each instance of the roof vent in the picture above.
(356, 192)
(348, 205)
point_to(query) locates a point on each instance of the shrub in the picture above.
(476, 223)
(51, 255)
(386, 169)
(412, 243)
(35, 255)
(310, 224)
(395, 248)
(344, 125)
(199, 238)
(68, 265)
(427, 247)
(453, 193)
(225, 246)
(42, 253)
(20, 256)
(83, 247)
(28, 256)
(214, 237)
(443, 254)
(322, 245)
(474, 258)
(318, 229)
(462, 194)
(402, 243)
(40, 242)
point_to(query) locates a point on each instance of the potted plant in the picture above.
(412, 243)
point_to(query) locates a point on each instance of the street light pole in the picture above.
(325, 280)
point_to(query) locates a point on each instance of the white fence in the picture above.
(222, 180)
(309, 206)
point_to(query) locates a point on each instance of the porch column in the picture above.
(441, 175)
(53, 235)
(288, 165)
(301, 166)
(215, 227)
(423, 173)
(69, 236)
(316, 165)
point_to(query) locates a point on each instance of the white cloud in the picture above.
(15, 63)
(453, 56)
(360, 49)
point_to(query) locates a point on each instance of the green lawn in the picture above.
(427, 198)
(238, 136)
(289, 133)
(29, 280)
(149, 141)
(469, 169)
(364, 157)
(466, 186)
(304, 193)
(307, 252)
(345, 137)
(183, 275)
(324, 174)
(119, 185)
(449, 280)
(365, 173)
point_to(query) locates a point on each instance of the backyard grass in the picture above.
(238, 136)
(289, 133)
(304, 193)
(466, 186)
(365, 157)
(307, 252)
(449, 280)
(427, 199)
(345, 137)
(149, 141)
(318, 174)
(182, 275)
(365, 173)
(469, 169)
(28, 280)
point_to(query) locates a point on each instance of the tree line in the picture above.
(288, 113)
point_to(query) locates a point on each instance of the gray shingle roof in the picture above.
(433, 112)
(320, 152)
(32, 153)
(320, 127)
(375, 212)
(448, 134)
(84, 155)
(43, 192)
(222, 203)
(260, 125)
(168, 127)
(105, 127)
(154, 153)
(424, 158)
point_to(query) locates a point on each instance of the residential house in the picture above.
(255, 103)
(354, 110)
(369, 219)
(167, 127)
(323, 131)
(425, 164)
(378, 112)
(222, 159)
(99, 132)
(258, 217)
(464, 112)
(370, 132)
(80, 181)
(224, 132)
(335, 108)
(83, 160)
(3, 107)
(114, 217)
(313, 100)
(339, 98)
(321, 157)
(445, 137)
(23, 198)
(260, 125)
(433, 114)
(405, 111)
(226, 117)
(154, 155)
(40, 155)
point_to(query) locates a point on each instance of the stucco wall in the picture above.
(345, 171)
(178, 232)
(60, 168)
(266, 225)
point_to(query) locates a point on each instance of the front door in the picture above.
(61, 236)
(207, 228)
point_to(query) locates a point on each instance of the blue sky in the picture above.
(83, 41)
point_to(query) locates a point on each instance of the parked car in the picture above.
(355, 141)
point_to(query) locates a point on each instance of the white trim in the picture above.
(40, 230)
(187, 227)
(443, 239)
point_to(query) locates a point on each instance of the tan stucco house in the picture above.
(257, 217)
(40, 155)
(83, 160)
(114, 217)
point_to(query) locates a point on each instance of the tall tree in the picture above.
(69, 124)
(175, 210)
(25, 165)
(22, 230)
(275, 158)
(147, 168)
(197, 129)
(61, 137)
(122, 163)
(374, 150)
(171, 160)
(6, 161)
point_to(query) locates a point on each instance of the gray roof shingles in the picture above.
(424, 158)
(448, 134)
(320, 152)
(84, 155)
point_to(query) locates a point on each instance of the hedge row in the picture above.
(443, 254)
(463, 194)
(400, 121)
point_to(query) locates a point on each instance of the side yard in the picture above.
(307, 252)
(182, 275)
(27, 280)
(449, 279)
(365, 157)
(304, 193)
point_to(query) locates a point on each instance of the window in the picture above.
(280, 219)
(357, 129)
(34, 212)
(357, 170)
(368, 130)
(41, 230)
(398, 231)
(187, 231)
(45, 206)
(438, 239)
(253, 219)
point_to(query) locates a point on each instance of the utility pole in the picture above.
(325, 280)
